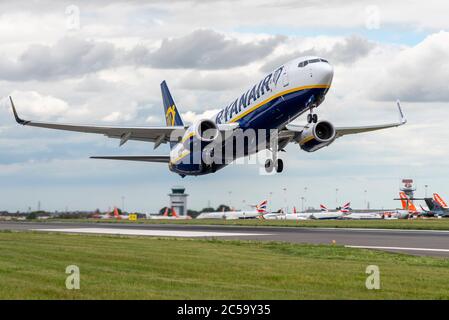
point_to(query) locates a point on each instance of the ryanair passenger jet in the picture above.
(269, 106)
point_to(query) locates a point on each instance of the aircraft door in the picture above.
(285, 81)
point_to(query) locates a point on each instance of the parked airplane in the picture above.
(113, 215)
(286, 216)
(437, 206)
(362, 216)
(409, 206)
(297, 87)
(326, 214)
(377, 215)
(166, 216)
(233, 215)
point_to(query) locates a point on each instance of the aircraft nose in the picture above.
(323, 72)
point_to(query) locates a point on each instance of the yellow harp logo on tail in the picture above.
(170, 115)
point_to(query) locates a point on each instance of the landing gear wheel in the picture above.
(279, 165)
(269, 166)
(315, 118)
(309, 118)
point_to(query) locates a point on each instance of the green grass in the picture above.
(32, 266)
(419, 224)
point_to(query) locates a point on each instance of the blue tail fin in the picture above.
(172, 116)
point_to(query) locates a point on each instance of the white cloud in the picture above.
(32, 103)
(208, 49)
(418, 73)
(343, 51)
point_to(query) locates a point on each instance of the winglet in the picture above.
(18, 119)
(402, 118)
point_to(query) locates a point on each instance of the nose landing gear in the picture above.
(311, 104)
(312, 117)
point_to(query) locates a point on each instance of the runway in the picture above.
(416, 242)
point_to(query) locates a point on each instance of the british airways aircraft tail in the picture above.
(172, 116)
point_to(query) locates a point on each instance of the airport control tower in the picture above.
(408, 188)
(178, 200)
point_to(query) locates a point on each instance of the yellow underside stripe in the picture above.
(306, 140)
(188, 137)
(183, 155)
(315, 86)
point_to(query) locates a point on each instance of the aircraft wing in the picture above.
(158, 135)
(342, 131)
(294, 130)
(160, 159)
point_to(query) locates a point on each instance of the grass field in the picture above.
(418, 224)
(32, 266)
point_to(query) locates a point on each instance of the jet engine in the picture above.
(202, 131)
(317, 136)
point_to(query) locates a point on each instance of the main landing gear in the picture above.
(274, 163)
(277, 165)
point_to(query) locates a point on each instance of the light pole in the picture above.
(123, 204)
(285, 199)
(336, 197)
(302, 204)
(426, 190)
(305, 195)
(230, 199)
(366, 199)
(269, 200)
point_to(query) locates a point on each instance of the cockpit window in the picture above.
(305, 63)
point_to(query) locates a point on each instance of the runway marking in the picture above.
(399, 248)
(146, 232)
(381, 230)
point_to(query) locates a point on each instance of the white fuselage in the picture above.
(288, 216)
(362, 216)
(327, 215)
(229, 215)
(160, 217)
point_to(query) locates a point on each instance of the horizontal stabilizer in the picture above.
(161, 159)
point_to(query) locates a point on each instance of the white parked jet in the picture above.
(286, 216)
(234, 215)
(166, 216)
(325, 214)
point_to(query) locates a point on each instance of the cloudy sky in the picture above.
(101, 62)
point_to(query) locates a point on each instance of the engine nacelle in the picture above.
(202, 131)
(317, 136)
